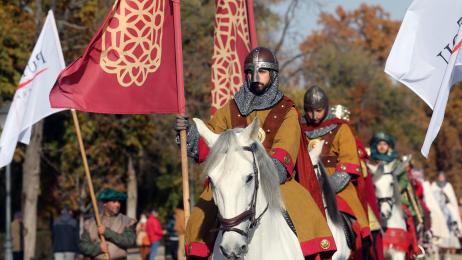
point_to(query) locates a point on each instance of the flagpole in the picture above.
(181, 105)
(251, 23)
(88, 175)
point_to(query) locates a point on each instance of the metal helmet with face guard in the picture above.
(260, 58)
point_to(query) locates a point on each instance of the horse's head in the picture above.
(386, 191)
(315, 150)
(240, 192)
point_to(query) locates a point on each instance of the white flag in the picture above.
(425, 56)
(31, 100)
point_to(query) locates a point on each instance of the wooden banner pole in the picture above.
(181, 105)
(88, 175)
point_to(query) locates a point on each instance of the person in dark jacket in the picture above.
(17, 235)
(171, 245)
(65, 232)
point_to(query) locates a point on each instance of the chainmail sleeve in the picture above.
(282, 172)
(192, 141)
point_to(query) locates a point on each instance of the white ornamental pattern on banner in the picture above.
(231, 26)
(132, 42)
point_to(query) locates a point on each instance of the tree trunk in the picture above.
(132, 190)
(31, 189)
(82, 204)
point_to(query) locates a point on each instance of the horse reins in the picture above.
(228, 224)
(389, 200)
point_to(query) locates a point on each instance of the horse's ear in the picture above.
(209, 136)
(252, 130)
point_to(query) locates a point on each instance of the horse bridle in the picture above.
(228, 224)
(389, 200)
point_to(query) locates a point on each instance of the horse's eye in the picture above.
(249, 178)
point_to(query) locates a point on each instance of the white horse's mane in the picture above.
(269, 179)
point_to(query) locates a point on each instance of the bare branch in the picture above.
(74, 47)
(71, 25)
(288, 18)
(291, 60)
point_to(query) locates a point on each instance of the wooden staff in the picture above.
(181, 105)
(88, 176)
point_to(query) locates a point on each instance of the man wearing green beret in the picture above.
(117, 229)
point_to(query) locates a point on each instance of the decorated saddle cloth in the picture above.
(282, 134)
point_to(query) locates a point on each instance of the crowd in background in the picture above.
(440, 233)
(150, 233)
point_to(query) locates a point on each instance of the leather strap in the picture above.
(237, 120)
(329, 160)
(272, 122)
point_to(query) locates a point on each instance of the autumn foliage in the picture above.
(345, 56)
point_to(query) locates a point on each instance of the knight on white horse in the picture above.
(399, 207)
(339, 155)
(280, 135)
(246, 191)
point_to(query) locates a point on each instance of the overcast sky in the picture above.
(307, 16)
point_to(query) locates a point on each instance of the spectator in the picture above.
(117, 229)
(445, 196)
(142, 239)
(65, 234)
(155, 233)
(17, 234)
(171, 247)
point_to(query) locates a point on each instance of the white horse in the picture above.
(245, 187)
(332, 214)
(388, 196)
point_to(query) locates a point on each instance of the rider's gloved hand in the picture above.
(181, 123)
(192, 135)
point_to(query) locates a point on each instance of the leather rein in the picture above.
(389, 200)
(229, 224)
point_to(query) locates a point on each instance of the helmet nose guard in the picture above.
(259, 58)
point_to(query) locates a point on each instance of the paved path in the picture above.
(134, 254)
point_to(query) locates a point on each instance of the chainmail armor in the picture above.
(339, 180)
(247, 102)
(320, 131)
(282, 172)
(192, 141)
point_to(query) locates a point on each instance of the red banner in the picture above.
(234, 38)
(129, 67)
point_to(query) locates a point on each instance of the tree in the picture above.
(346, 57)
(368, 27)
(112, 141)
(447, 148)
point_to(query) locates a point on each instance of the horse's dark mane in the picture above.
(329, 195)
(269, 180)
